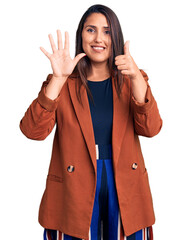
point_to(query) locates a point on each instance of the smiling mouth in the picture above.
(98, 48)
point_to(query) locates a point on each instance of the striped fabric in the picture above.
(143, 234)
(106, 223)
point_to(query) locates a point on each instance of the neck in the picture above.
(98, 72)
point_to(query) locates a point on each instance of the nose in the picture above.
(98, 37)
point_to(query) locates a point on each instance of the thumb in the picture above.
(78, 57)
(126, 48)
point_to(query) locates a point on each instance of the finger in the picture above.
(125, 72)
(66, 43)
(120, 61)
(53, 46)
(120, 57)
(126, 48)
(45, 52)
(60, 43)
(122, 67)
(78, 57)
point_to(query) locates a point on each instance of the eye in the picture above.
(107, 32)
(90, 30)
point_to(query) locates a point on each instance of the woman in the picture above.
(97, 185)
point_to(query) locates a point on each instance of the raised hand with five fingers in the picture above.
(126, 64)
(61, 62)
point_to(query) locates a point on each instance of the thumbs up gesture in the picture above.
(126, 64)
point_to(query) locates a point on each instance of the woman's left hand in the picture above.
(126, 64)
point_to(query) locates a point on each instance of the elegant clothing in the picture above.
(106, 223)
(68, 199)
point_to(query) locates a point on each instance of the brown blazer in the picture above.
(68, 199)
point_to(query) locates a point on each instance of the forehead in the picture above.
(96, 19)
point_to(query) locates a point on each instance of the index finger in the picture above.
(118, 57)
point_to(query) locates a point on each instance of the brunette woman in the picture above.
(97, 185)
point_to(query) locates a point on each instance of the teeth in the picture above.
(98, 47)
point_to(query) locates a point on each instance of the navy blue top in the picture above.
(102, 112)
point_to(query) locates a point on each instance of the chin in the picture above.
(97, 59)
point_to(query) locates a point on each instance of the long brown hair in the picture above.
(117, 48)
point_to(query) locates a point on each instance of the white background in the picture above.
(154, 31)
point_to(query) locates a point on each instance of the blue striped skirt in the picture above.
(106, 223)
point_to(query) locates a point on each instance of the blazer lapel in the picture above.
(120, 116)
(84, 118)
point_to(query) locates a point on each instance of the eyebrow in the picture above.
(95, 26)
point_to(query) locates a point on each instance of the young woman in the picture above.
(97, 185)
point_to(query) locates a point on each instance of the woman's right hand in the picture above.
(61, 62)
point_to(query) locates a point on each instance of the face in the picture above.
(96, 38)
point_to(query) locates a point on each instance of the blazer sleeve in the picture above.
(147, 120)
(39, 119)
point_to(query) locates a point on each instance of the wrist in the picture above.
(54, 87)
(58, 78)
(137, 76)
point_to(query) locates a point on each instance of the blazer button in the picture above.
(70, 168)
(134, 166)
